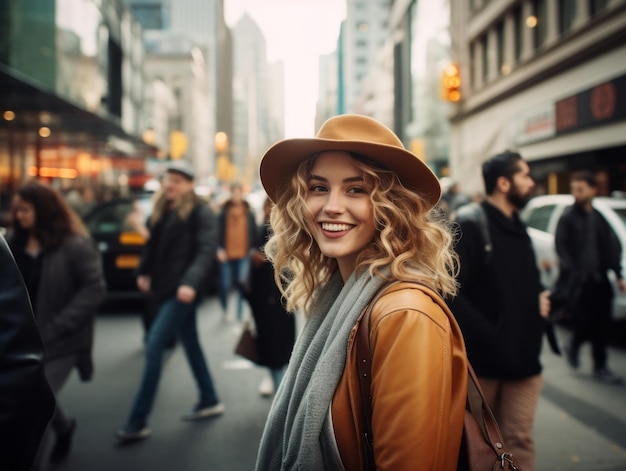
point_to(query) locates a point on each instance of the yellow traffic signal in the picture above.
(451, 83)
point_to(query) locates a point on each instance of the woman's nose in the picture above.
(334, 202)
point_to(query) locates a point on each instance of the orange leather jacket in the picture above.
(419, 387)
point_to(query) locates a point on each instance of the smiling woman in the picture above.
(353, 213)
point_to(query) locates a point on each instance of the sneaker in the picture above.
(572, 357)
(607, 376)
(63, 443)
(202, 411)
(266, 388)
(133, 432)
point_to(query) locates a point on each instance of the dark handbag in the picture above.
(247, 346)
(482, 446)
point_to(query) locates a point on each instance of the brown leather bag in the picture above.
(482, 447)
(247, 344)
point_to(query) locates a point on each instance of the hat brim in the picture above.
(180, 172)
(281, 161)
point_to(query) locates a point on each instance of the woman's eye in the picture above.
(317, 188)
(356, 189)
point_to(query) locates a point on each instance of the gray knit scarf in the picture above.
(298, 433)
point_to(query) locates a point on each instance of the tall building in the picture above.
(328, 88)
(259, 98)
(202, 21)
(394, 74)
(421, 51)
(275, 101)
(175, 105)
(364, 32)
(545, 77)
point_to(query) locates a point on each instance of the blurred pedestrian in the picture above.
(353, 212)
(587, 250)
(275, 327)
(236, 237)
(501, 306)
(62, 270)
(453, 198)
(26, 401)
(173, 268)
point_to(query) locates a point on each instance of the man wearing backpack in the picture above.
(501, 306)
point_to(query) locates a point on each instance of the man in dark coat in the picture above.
(501, 306)
(173, 268)
(588, 249)
(26, 401)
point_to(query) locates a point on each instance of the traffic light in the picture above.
(451, 83)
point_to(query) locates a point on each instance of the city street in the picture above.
(581, 424)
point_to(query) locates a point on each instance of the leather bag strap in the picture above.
(476, 403)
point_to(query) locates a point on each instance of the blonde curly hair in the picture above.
(414, 241)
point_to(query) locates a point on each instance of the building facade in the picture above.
(544, 77)
(175, 108)
(71, 76)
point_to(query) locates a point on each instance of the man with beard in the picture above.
(587, 249)
(501, 306)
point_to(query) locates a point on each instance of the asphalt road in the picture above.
(581, 424)
(229, 442)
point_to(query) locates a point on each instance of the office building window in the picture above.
(473, 66)
(597, 6)
(518, 27)
(540, 21)
(567, 13)
(485, 57)
(149, 16)
(500, 48)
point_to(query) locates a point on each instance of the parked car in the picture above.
(118, 242)
(542, 215)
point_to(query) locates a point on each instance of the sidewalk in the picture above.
(581, 424)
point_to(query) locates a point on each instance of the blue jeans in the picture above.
(173, 318)
(233, 270)
(277, 376)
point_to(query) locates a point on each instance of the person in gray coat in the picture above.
(62, 270)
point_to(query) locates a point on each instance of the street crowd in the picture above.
(352, 222)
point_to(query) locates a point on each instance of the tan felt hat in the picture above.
(350, 133)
